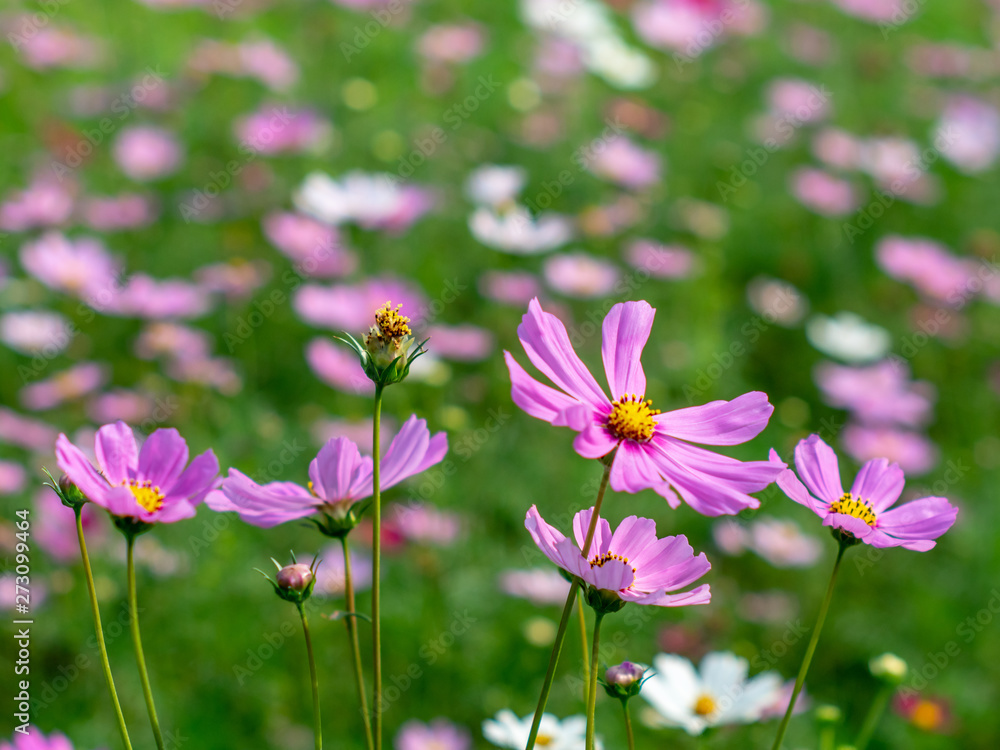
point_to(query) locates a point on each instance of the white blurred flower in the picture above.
(508, 731)
(493, 185)
(515, 231)
(848, 337)
(31, 331)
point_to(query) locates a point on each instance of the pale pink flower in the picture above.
(316, 248)
(158, 299)
(928, 266)
(234, 280)
(13, 477)
(509, 287)
(424, 524)
(540, 586)
(823, 193)
(782, 543)
(969, 133)
(275, 130)
(372, 201)
(624, 163)
(330, 574)
(267, 62)
(880, 393)
(81, 267)
(32, 434)
(837, 148)
(68, 385)
(463, 343)
(452, 43)
(915, 453)
(145, 152)
(172, 340)
(52, 46)
(120, 404)
(212, 372)
(116, 213)
(661, 261)
(34, 331)
(580, 275)
(439, 734)
(517, 232)
(776, 300)
(349, 307)
(877, 11)
(798, 100)
(492, 185)
(45, 202)
(338, 367)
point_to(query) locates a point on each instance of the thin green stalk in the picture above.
(628, 726)
(352, 632)
(564, 620)
(874, 714)
(810, 650)
(99, 629)
(377, 568)
(827, 738)
(592, 692)
(583, 645)
(137, 643)
(317, 721)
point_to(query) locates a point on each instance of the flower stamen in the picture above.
(390, 323)
(631, 418)
(146, 494)
(855, 507)
(705, 705)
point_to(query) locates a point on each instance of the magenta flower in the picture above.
(632, 563)
(863, 513)
(653, 448)
(35, 740)
(439, 734)
(150, 485)
(339, 477)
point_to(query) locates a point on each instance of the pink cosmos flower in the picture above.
(316, 248)
(339, 478)
(452, 43)
(331, 579)
(81, 266)
(539, 586)
(626, 164)
(150, 485)
(33, 331)
(580, 275)
(13, 477)
(337, 366)
(120, 404)
(654, 450)
(114, 213)
(864, 512)
(439, 734)
(45, 202)
(348, 307)
(157, 299)
(275, 130)
(35, 740)
(26, 432)
(72, 383)
(928, 266)
(509, 287)
(147, 153)
(463, 343)
(915, 453)
(424, 524)
(823, 193)
(632, 562)
(235, 280)
(880, 393)
(661, 261)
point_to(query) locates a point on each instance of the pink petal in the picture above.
(700, 595)
(334, 469)
(117, 455)
(625, 332)
(745, 476)
(80, 471)
(412, 451)
(719, 422)
(614, 575)
(266, 505)
(198, 479)
(791, 486)
(602, 533)
(162, 458)
(119, 501)
(540, 401)
(170, 513)
(855, 526)
(702, 492)
(546, 537)
(595, 442)
(632, 536)
(817, 465)
(920, 520)
(880, 483)
(577, 417)
(547, 344)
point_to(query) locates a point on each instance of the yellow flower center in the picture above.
(705, 705)
(927, 715)
(859, 508)
(599, 560)
(391, 324)
(148, 496)
(631, 418)
(543, 740)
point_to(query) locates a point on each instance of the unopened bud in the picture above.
(69, 493)
(298, 578)
(624, 680)
(889, 668)
(827, 714)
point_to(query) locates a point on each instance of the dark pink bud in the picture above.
(297, 578)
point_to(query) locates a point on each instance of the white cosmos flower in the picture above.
(508, 731)
(848, 337)
(515, 231)
(493, 185)
(719, 694)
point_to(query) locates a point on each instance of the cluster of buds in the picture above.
(624, 681)
(388, 348)
(293, 583)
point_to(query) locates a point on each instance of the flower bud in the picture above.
(624, 680)
(69, 493)
(827, 714)
(888, 668)
(296, 578)
(386, 351)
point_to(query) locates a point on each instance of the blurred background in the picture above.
(195, 194)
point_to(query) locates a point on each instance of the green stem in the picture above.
(317, 722)
(377, 568)
(628, 726)
(352, 632)
(872, 719)
(810, 650)
(827, 738)
(583, 645)
(99, 629)
(592, 691)
(564, 620)
(137, 643)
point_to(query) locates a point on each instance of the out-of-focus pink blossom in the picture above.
(45, 202)
(81, 266)
(837, 148)
(145, 153)
(767, 608)
(212, 372)
(880, 393)
(54, 527)
(330, 579)
(34, 331)
(810, 45)
(358, 432)
(777, 301)
(13, 477)
(661, 261)
(236, 280)
(70, 384)
(780, 705)
(32, 434)
(540, 586)
(876, 11)
(823, 193)
(559, 58)
(969, 133)
(49, 46)
(115, 213)
(338, 367)
(915, 453)
(940, 60)
(928, 266)
(439, 734)
(581, 275)
(798, 101)
(120, 404)
(425, 524)
(463, 343)
(172, 340)
(373, 201)
(351, 307)
(452, 43)
(691, 27)
(260, 59)
(898, 166)
(315, 247)
(624, 163)
(782, 543)
(39, 593)
(730, 536)
(158, 299)
(509, 287)
(274, 130)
